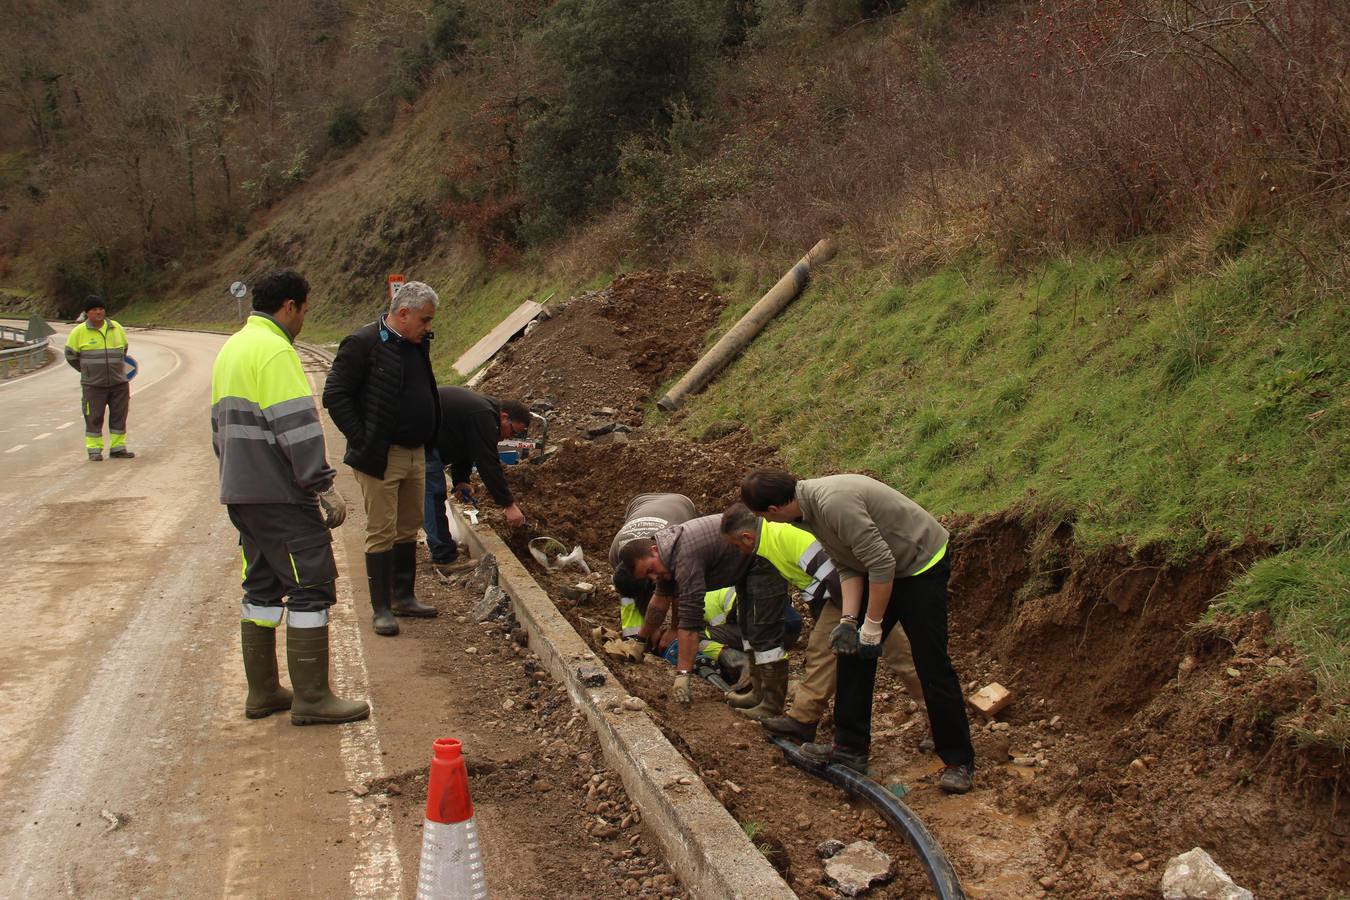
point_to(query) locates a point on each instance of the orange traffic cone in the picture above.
(452, 868)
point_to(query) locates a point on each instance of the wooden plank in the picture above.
(495, 339)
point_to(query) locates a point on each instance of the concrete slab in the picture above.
(495, 339)
(703, 844)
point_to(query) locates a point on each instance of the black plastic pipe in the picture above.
(711, 675)
(901, 817)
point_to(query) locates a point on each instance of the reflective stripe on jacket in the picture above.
(265, 428)
(630, 617)
(797, 556)
(98, 354)
(717, 606)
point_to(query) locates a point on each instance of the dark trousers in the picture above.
(761, 610)
(116, 400)
(919, 605)
(440, 542)
(288, 553)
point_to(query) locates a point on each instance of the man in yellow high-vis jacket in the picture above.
(97, 349)
(276, 483)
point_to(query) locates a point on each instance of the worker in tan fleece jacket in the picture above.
(893, 564)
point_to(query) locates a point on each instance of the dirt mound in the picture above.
(578, 494)
(609, 348)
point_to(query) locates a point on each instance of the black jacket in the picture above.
(363, 389)
(470, 426)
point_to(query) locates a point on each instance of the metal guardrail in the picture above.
(25, 357)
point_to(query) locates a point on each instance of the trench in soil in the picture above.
(1156, 736)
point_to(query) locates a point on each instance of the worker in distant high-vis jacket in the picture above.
(276, 483)
(97, 349)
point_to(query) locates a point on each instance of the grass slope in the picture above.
(1213, 407)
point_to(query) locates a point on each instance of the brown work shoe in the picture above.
(827, 754)
(788, 727)
(446, 570)
(957, 779)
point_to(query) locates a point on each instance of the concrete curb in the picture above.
(703, 844)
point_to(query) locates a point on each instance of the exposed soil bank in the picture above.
(1154, 736)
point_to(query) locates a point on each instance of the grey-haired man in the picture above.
(381, 392)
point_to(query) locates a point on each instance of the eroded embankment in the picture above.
(1150, 735)
(1151, 745)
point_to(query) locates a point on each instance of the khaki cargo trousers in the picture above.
(817, 684)
(394, 503)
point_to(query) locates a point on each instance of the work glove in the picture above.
(333, 507)
(682, 693)
(869, 639)
(844, 639)
(463, 493)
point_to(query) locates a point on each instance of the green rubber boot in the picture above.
(265, 693)
(772, 691)
(750, 698)
(314, 703)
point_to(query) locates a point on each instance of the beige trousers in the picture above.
(394, 502)
(816, 687)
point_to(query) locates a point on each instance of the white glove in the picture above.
(333, 507)
(870, 633)
(681, 693)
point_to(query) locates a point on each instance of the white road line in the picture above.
(177, 361)
(16, 449)
(45, 434)
(64, 427)
(377, 871)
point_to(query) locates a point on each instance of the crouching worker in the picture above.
(645, 515)
(687, 561)
(718, 644)
(870, 530)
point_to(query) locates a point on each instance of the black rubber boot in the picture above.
(772, 691)
(314, 703)
(747, 699)
(405, 579)
(265, 693)
(380, 575)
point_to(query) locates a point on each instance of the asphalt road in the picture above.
(127, 764)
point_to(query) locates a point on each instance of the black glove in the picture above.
(844, 638)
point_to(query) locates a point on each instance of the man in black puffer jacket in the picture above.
(381, 392)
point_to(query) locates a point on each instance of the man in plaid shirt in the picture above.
(688, 560)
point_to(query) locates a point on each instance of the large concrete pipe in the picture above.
(751, 324)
